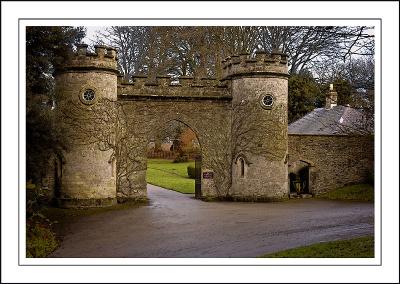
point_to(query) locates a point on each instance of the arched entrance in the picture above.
(174, 157)
(145, 116)
(299, 177)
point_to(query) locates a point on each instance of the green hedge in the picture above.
(191, 172)
(181, 158)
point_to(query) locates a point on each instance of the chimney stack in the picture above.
(331, 98)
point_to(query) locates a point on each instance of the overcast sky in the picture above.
(91, 32)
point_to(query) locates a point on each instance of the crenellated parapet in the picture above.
(166, 87)
(183, 81)
(103, 59)
(262, 63)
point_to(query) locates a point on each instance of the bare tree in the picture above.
(109, 126)
(310, 45)
(198, 51)
(246, 132)
(132, 45)
(359, 72)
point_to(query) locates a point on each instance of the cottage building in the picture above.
(330, 147)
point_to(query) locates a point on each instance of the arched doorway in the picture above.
(299, 177)
(174, 158)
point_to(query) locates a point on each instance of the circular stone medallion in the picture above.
(267, 101)
(88, 96)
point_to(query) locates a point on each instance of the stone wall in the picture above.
(209, 118)
(336, 160)
(51, 178)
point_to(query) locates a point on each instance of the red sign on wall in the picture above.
(208, 175)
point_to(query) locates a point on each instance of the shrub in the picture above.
(40, 241)
(34, 199)
(191, 170)
(181, 158)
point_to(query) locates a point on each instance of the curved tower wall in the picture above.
(259, 125)
(88, 174)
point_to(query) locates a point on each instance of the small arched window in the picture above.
(113, 166)
(241, 167)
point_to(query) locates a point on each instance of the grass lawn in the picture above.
(353, 248)
(170, 175)
(359, 192)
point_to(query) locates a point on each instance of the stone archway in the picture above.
(300, 181)
(145, 115)
(178, 146)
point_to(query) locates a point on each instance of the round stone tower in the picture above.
(83, 83)
(259, 88)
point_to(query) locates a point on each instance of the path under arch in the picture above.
(177, 225)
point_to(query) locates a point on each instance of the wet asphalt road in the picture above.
(177, 225)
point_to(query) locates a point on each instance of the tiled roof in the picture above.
(339, 120)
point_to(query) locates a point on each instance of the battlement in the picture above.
(103, 59)
(168, 87)
(167, 81)
(262, 63)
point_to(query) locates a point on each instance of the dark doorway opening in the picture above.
(300, 180)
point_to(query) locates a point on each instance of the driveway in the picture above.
(177, 225)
